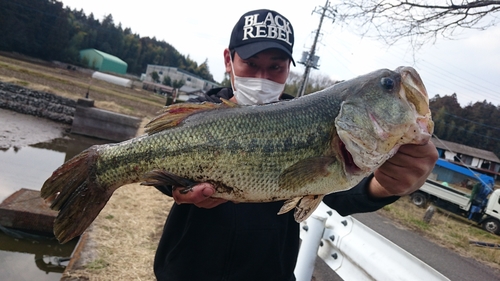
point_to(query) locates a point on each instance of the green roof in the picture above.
(106, 56)
(103, 61)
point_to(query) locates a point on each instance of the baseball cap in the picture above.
(260, 30)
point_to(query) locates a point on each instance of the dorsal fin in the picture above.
(229, 103)
(174, 114)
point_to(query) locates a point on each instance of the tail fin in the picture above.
(72, 189)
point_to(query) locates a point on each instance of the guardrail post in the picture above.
(312, 232)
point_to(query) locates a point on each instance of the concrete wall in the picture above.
(42, 104)
(103, 124)
(82, 115)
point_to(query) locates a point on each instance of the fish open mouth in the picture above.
(349, 165)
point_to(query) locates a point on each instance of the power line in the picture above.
(468, 120)
(312, 59)
(467, 86)
(463, 129)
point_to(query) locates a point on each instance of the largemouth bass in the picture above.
(297, 150)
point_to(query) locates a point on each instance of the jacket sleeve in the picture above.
(357, 199)
(214, 95)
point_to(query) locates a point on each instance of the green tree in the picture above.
(450, 131)
(474, 125)
(177, 84)
(167, 81)
(203, 71)
(226, 82)
(46, 30)
(315, 83)
(155, 77)
(36, 28)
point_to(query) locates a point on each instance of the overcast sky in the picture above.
(468, 66)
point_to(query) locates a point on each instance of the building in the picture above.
(477, 159)
(192, 83)
(445, 171)
(102, 61)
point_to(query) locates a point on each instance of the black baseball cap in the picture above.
(260, 30)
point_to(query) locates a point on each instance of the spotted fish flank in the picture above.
(297, 150)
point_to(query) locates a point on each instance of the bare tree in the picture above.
(418, 21)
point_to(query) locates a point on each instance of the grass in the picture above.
(126, 232)
(76, 84)
(125, 235)
(446, 229)
(97, 264)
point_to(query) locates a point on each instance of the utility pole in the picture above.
(310, 59)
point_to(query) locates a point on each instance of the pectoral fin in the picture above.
(305, 206)
(305, 171)
(289, 205)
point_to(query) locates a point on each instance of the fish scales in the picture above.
(190, 156)
(297, 150)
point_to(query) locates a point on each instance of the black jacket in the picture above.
(245, 241)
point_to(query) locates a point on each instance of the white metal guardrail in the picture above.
(354, 251)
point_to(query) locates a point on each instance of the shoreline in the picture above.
(20, 129)
(126, 232)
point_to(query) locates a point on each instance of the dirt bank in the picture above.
(121, 243)
(123, 239)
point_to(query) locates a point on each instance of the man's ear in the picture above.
(227, 60)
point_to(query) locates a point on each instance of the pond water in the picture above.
(26, 167)
(25, 256)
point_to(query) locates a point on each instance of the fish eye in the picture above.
(387, 83)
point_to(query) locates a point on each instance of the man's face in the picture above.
(272, 64)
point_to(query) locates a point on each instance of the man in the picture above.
(210, 239)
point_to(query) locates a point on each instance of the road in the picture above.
(447, 262)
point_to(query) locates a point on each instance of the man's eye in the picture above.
(276, 67)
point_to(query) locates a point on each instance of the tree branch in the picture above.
(420, 22)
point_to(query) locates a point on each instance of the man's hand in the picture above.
(199, 196)
(405, 172)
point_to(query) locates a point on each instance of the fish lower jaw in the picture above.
(349, 164)
(360, 159)
(369, 162)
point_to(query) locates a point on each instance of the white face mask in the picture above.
(250, 91)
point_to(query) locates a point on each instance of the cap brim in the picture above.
(249, 50)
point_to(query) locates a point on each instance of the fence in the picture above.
(354, 251)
